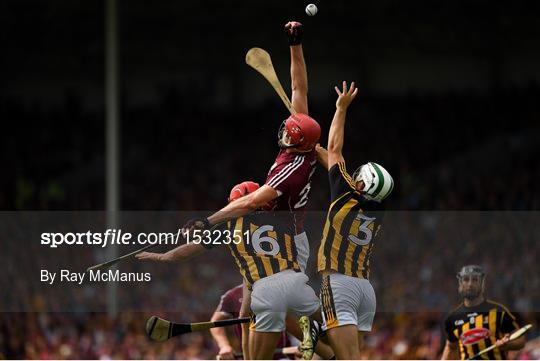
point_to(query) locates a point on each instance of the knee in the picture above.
(348, 353)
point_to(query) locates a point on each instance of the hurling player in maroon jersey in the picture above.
(229, 307)
(287, 184)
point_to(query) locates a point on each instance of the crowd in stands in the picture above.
(465, 167)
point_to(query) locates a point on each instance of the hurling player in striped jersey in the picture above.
(268, 262)
(478, 323)
(352, 226)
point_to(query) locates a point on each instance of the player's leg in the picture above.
(344, 342)
(269, 304)
(360, 341)
(303, 303)
(245, 311)
(321, 349)
(366, 311)
(263, 344)
(348, 307)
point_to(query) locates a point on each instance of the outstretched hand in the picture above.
(294, 31)
(196, 223)
(321, 152)
(322, 155)
(503, 341)
(345, 96)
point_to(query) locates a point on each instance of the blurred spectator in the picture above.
(186, 158)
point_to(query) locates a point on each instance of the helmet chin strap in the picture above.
(293, 146)
(303, 151)
(285, 146)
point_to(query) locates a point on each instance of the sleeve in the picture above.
(225, 304)
(340, 181)
(449, 329)
(509, 322)
(283, 180)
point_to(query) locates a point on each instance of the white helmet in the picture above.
(378, 183)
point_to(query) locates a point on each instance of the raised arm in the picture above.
(337, 129)
(299, 82)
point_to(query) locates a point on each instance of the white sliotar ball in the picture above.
(311, 9)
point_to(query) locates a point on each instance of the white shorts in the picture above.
(275, 296)
(302, 248)
(347, 301)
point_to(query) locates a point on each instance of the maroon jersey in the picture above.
(290, 176)
(230, 303)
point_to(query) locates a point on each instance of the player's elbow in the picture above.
(216, 317)
(243, 313)
(335, 144)
(300, 86)
(251, 203)
(189, 250)
(257, 199)
(334, 148)
(299, 89)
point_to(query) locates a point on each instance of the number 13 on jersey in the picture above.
(364, 230)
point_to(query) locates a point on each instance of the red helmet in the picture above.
(299, 131)
(242, 189)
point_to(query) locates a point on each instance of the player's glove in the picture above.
(294, 31)
(198, 223)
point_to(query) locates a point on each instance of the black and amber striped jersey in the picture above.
(476, 328)
(262, 244)
(352, 224)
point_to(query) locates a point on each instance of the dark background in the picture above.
(448, 99)
(448, 104)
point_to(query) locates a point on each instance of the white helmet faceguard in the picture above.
(378, 183)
